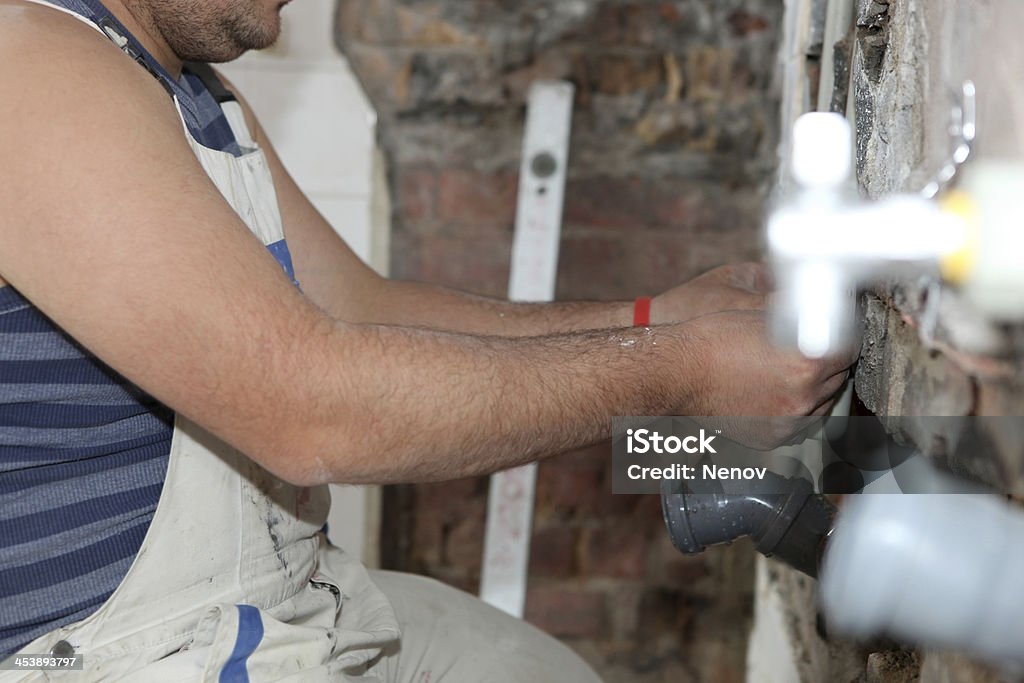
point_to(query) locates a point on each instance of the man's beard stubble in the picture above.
(210, 30)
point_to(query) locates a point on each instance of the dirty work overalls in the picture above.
(234, 582)
(233, 565)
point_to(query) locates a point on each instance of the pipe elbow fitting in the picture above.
(792, 526)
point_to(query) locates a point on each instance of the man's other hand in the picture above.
(737, 287)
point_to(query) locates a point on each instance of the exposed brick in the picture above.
(451, 499)
(648, 263)
(427, 539)
(674, 205)
(623, 505)
(668, 125)
(474, 198)
(567, 611)
(744, 23)
(573, 487)
(624, 609)
(423, 30)
(464, 543)
(377, 23)
(607, 25)
(674, 569)
(626, 74)
(683, 570)
(553, 65)
(671, 260)
(895, 363)
(456, 577)
(669, 12)
(553, 552)
(445, 77)
(896, 666)
(476, 265)
(647, 511)
(350, 20)
(448, 527)
(617, 549)
(577, 276)
(708, 71)
(405, 253)
(694, 210)
(948, 667)
(416, 196)
(639, 24)
(724, 654)
(608, 202)
(383, 73)
(664, 611)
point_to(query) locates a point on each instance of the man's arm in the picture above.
(340, 283)
(336, 279)
(112, 229)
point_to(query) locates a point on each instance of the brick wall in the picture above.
(673, 146)
(909, 59)
(909, 369)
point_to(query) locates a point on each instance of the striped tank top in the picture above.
(83, 452)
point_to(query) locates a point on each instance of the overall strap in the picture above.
(226, 99)
(113, 30)
(212, 82)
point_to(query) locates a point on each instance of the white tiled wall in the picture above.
(322, 126)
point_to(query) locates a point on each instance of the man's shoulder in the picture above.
(30, 28)
(48, 53)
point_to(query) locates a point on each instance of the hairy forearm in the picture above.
(413, 405)
(414, 304)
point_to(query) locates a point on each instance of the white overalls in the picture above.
(235, 582)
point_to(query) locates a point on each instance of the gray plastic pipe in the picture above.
(791, 526)
(943, 571)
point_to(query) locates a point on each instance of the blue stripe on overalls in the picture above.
(250, 633)
(284, 258)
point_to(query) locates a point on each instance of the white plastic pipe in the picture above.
(825, 243)
(937, 570)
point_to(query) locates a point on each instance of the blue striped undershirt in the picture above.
(83, 452)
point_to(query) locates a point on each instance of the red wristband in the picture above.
(642, 312)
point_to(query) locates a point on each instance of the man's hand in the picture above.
(745, 376)
(738, 287)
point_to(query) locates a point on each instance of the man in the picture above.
(171, 403)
